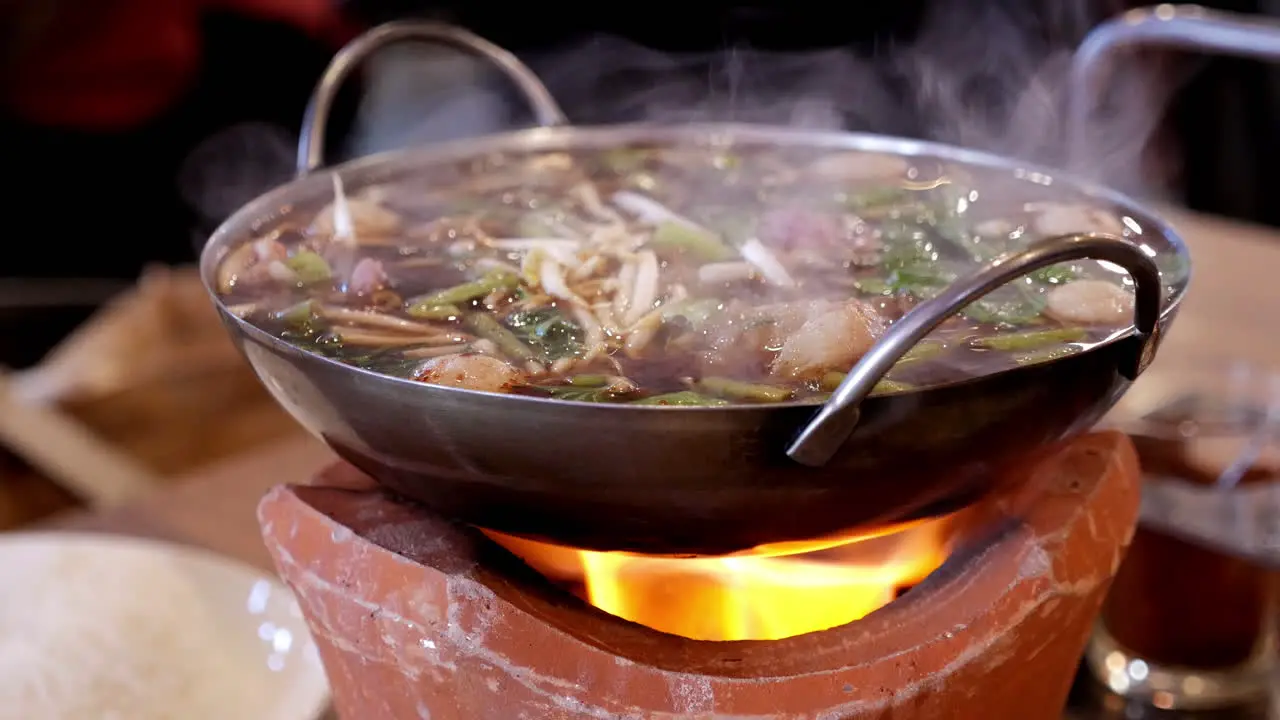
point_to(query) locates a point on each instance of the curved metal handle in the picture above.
(819, 440)
(1182, 27)
(311, 143)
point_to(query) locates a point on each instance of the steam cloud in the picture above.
(988, 77)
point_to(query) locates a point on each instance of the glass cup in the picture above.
(1190, 620)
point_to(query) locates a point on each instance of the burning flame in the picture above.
(747, 597)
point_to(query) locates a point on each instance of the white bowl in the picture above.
(100, 627)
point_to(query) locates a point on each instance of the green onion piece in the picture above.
(1031, 340)
(486, 327)
(547, 331)
(924, 350)
(684, 398)
(699, 243)
(298, 315)
(309, 267)
(832, 380)
(588, 381)
(738, 390)
(922, 282)
(434, 312)
(466, 292)
(872, 286)
(888, 387)
(1047, 355)
(579, 394)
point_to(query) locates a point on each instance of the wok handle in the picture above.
(1178, 27)
(819, 440)
(316, 120)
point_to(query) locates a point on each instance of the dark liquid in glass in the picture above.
(1174, 603)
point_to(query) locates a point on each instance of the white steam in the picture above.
(986, 77)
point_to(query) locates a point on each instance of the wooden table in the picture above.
(215, 508)
(1234, 267)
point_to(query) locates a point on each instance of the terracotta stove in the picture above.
(419, 617)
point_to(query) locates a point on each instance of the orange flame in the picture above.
(747, 597)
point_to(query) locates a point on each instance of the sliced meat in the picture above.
(471, 371)
(367, 277)
(833, 337)
(806, 233)
(1090, 302)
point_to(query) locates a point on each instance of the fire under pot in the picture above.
(419, 617)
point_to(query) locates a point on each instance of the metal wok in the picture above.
(678, 480)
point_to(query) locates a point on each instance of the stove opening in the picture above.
(770, 593)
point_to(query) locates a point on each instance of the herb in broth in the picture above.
(548, 332)
(387, 362)
(678, 277)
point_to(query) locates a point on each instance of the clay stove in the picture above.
(418, 617)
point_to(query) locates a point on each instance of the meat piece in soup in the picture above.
(670, 276)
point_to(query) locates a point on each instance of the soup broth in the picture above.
(684, 276)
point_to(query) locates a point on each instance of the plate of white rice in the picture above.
(100, 627)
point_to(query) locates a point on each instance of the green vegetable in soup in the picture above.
(309, 267)
(832, 380)
(684, 398)
(486, 327)
(920, 282)
(737, 390)
(923, 350)
(423, 311)
(466, 292)
(889, 387)
(588, 381)
(1031, 340)
(301, 315)
(1046, 354)
(548, 331)
(873, 286)
(576, 393)
(699, 243)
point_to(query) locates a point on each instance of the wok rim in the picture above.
(275, 204)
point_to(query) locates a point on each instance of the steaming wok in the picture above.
(702, 480)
